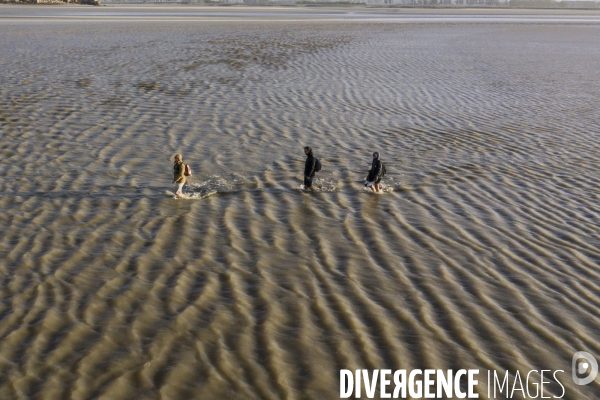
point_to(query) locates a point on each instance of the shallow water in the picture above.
(483, 253)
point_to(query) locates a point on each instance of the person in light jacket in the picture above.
(179, 174)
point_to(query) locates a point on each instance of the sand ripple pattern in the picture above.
(485, 252)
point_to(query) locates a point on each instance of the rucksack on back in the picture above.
(318, 165)
(188, 170)
(382, 170)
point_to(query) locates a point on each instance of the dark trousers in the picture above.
(308, 181)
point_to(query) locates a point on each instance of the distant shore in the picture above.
(177, 12)
(303, 8)
(393, 4)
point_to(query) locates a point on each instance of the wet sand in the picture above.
(484, 251)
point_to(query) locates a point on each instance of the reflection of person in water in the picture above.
(179, 174)
(309, 168)
(375, 174)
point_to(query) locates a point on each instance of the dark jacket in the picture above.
(375, 172)
(376, 167)
(309, 165)
(178, 172)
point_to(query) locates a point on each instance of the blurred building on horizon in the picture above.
(550, 4)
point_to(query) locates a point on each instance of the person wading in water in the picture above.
(179, 174)
(311, 166)
(375, 174)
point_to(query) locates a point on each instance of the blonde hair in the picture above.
(178, 157)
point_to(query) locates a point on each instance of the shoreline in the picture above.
(313, 5)
(331, 7)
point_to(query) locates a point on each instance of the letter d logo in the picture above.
(580, 367)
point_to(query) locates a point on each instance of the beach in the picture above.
(482, 253)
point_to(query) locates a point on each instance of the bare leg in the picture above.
(377, 188)
(306, 180)
(179, 193)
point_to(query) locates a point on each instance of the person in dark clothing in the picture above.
(375, 174)
(309, 168)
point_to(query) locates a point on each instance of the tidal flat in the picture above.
(483, 252)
